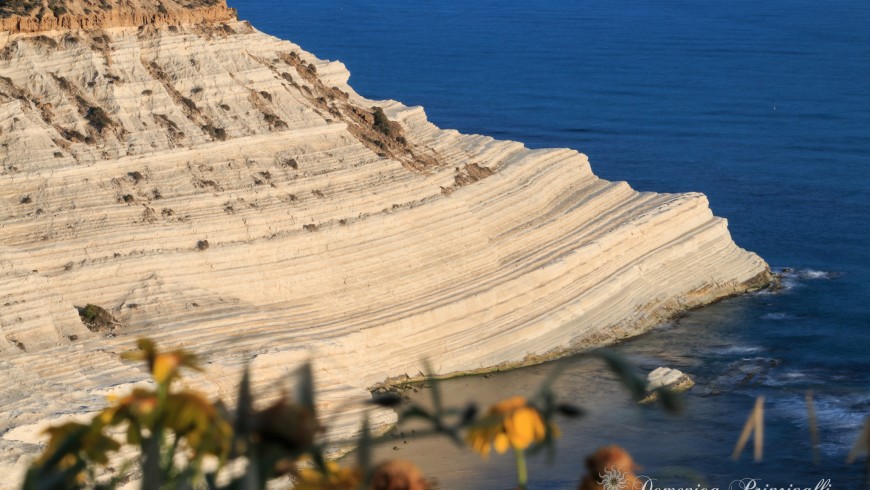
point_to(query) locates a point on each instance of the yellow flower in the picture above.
(335, 478)
(140, 405)
(191, 416)
(163, 366)
(511, 423)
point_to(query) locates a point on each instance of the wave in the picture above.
(788, 378)
(807, 274)
(777, 316)
(736, 350)
(799, 378)
(747, 371)
(812, 274)
(839, 417)
(791, 278)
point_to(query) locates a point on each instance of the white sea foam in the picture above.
(786, 378)
(796, 278)
(777, 316)
(811, 274)
(737, 350)
(839, 417)
(807, 274)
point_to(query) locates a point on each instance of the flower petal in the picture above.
(165, 366)
(501, 443)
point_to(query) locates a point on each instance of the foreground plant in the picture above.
(511, 424)
(333, 477)
(522, 425)
(179, 433)
(183, 440)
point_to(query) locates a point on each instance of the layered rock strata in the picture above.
(218, 189)
(30, 16)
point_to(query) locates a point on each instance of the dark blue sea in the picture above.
(763, 105)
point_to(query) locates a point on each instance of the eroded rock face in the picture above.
(18, 16)
(216, 188)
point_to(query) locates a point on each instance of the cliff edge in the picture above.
(18, 16)
(220, 189)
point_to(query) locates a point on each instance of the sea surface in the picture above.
(764, 106)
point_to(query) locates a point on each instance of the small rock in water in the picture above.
(663, 377)
(673, 379)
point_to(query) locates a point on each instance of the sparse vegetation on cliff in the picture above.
(98, 118)
(219, 134)
(61, 7)
(382, 123)
(36, 16)
(97, 318)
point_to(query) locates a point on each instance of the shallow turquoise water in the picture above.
(763, 106)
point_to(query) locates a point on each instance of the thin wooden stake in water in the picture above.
(862, 444)
(754, 423)
(759, 428)
(814, 427)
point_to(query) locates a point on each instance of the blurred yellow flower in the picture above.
(511, 423)
(140, 405)
(188, 414)
(335, 478)
(163, 366)
(398, 474)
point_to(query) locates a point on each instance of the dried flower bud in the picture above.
(398, 474)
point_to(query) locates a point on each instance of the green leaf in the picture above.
(244, 413)
(318, 459)
(569, 410)
(435, 389)
(134, 437)
(387, 400)
(671, 400)
(415, 412)
(546, 387)
(364, 449)
(152, 476)
(305, 387)
(252, 479)
(468, 415)
(624, 371)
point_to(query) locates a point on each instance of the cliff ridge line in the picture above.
(28, 16)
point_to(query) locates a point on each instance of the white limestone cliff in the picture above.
(222, 190)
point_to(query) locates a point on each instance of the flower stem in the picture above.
(522, 472)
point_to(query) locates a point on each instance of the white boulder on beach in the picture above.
(674, 379)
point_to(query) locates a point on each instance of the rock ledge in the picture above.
(22, 16)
